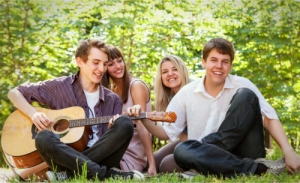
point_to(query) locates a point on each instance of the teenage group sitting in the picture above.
(218, 130)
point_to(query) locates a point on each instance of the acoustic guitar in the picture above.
(70, 125)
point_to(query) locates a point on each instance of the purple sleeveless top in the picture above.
(135, 156)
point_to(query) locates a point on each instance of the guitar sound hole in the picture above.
(61, 125)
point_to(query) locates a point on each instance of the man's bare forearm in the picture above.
(20, 102)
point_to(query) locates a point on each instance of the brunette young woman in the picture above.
(132, 91)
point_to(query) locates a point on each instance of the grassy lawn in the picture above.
(273, 154)
(284, 177)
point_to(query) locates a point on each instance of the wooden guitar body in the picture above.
(18, 135)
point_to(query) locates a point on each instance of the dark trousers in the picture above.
(232, 149)
(104, 154)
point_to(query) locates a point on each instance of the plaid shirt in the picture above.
(66, 91)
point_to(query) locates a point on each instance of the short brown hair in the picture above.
(85, 46)
(222, 45)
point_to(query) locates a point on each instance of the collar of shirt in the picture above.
(201, 88)
(75, 81)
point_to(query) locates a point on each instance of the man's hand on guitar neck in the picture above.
(112, 120)
(41, 121)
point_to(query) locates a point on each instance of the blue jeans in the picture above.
(104, 154)
(232, 149)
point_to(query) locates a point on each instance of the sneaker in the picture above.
(274, 167)
(57, 176)
(188, 174)
(116, 173)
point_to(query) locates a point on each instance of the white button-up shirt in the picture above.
(202, 113)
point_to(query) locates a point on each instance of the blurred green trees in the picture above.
(38, 40)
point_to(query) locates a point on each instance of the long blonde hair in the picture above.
(163, 94)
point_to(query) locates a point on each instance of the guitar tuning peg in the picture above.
(163, 123)
(155, 123)
(169, 124)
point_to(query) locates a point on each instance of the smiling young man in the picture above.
(225, 115)
(106, 146)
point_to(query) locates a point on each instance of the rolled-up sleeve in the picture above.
(41, 92)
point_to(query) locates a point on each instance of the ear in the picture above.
(79, 62)
(203, 63)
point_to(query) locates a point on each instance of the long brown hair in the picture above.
(108, 82)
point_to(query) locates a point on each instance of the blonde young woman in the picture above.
(171, 75)
(132, 91)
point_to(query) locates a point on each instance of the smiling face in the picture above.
(217, 68)
(116, 68)
(92, 70)
(170, 76)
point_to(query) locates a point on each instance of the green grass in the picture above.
(273, 154)
(267, 178)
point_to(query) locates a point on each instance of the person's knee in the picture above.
(124, 124)
(42, 139)
(246, 92)
(182, 150)
(179, 150)
(168, 165)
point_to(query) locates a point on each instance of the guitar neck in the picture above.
(100, 120)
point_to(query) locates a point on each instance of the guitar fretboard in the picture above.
(99, 120)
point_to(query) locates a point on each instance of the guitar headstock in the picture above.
(169, 117)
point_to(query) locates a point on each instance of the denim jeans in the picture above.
(232, 149)
(104, 154)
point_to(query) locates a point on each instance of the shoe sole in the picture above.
(274, 167)
(188, 174)
(269, 163)
(138, 175)
(50, 176)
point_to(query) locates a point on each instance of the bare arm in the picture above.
(155, 129)
(292, 159)
(183, 137)
(40, 120)
(140, 95)
(20, 102)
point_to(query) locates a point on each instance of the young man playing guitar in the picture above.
(107, 142)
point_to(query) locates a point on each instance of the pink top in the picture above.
(135, 156)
